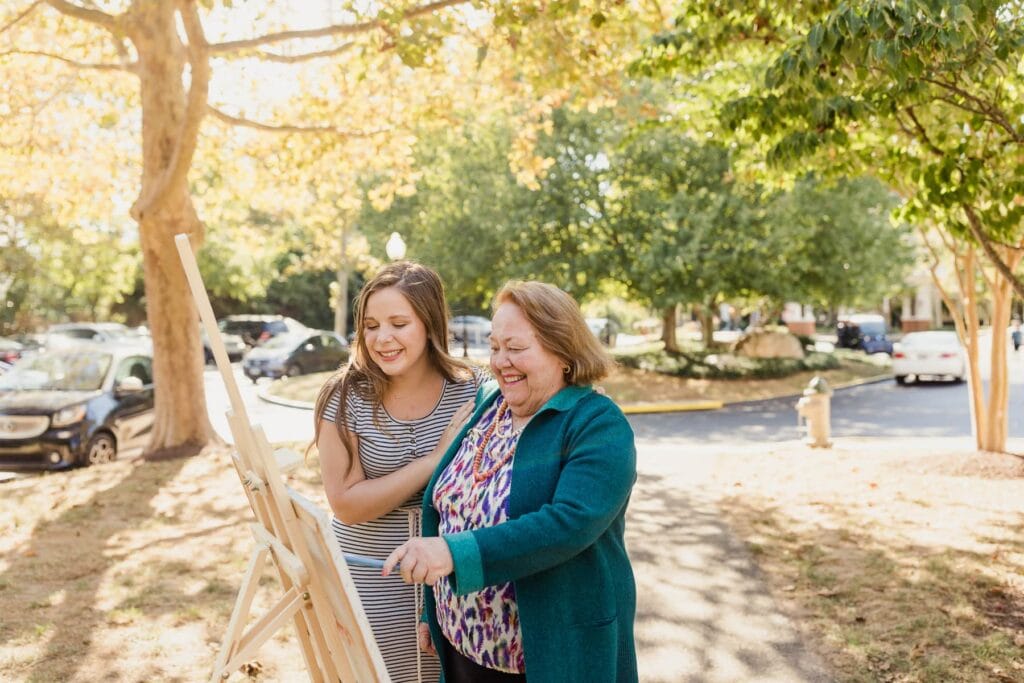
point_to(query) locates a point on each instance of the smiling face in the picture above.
(527, 373)
(395, 337)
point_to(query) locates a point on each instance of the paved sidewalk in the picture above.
(704, 613)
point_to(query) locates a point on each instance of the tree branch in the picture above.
(923, 134)
(292, 59)
(130, 67)
(336, 30)
(933, 269)
(318, 130)
(93, 16)
(24, 13)
(986, 109)
(199, 86)
(986, 245)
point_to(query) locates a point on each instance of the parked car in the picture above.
(70, 334)
(10, 351)
(80, 405)
(604, 329)
(865, 331)
(233, 344)
(296, 353)
(475, 328)
(256, 329)
(933, 354)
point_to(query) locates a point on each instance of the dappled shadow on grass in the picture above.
(881, 609)
(703, 612)
(51, 584)
(132, 579)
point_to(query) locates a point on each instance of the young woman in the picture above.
(382, 424)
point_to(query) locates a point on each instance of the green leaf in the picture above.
(815, 36)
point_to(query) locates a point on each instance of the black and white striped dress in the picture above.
(392, 606)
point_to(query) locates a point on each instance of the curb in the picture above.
(647, 408)
(264, 394)
(876, 379)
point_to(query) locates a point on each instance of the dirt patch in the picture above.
(984, 465)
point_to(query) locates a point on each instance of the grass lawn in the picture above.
(629, 386)
(900, 566)
(903, 566)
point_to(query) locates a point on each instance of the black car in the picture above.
(296, 353)
(256, 329)
(75, 406)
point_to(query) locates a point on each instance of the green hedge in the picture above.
(704, 365)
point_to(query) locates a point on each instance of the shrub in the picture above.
(705, 365)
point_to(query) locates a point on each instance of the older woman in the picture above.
(523, 520)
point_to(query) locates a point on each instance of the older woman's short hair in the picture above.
(560, 327)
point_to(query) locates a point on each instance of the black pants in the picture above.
(459, 669)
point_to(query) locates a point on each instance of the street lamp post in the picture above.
(395, 247)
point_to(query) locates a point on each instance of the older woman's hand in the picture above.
(423, 560)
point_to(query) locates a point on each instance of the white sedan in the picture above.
(933, 354)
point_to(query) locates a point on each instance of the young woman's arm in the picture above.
(354, 499)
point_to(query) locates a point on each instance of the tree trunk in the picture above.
(164, 209)
(971, 324)
(668, 329)
(707, 323)
(994, 438)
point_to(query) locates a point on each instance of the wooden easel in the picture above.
(319, 597)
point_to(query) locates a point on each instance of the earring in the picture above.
(566, 369)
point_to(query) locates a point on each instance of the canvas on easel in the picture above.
(319, 597)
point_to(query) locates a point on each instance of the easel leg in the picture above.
(238, 615)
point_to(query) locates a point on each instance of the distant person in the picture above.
(1015, 335)
(382, 423)
(523, 522)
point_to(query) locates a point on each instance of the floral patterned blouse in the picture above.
(483, 626)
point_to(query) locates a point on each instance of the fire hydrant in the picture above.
(814, 407)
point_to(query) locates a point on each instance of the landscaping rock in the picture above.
(761, 343)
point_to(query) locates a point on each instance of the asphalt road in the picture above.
(939, 409)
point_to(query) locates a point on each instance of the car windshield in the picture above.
(871, 328)
(233, 326)
(283, 341)
(58, 372)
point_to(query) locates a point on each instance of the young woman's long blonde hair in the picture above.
(422, 287)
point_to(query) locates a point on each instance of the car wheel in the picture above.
(901, 379)
(292, 370)
(101, 449)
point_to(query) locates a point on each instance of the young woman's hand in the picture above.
(423, 560)
(455, 425)
(424, 640)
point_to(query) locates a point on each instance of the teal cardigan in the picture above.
(562, 545)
